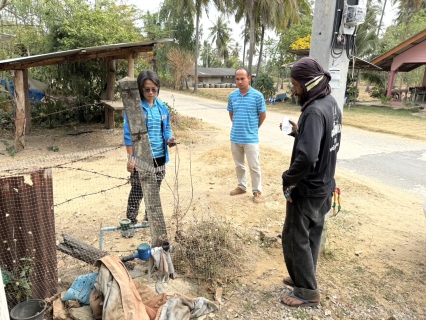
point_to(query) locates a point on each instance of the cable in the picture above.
(334, 53)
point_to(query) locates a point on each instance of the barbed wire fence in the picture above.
(83, 196)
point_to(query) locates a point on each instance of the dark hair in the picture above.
(147, 75)
(242, 68)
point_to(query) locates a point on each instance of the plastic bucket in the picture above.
(31, 309)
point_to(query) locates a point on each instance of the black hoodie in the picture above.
(316, 143)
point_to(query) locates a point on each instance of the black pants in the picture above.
(301, 237)
(136, 194)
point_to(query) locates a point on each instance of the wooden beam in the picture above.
(21, 95)
(413, 41)
(131, 66)
(27, 102)
(80, 56)
(110, 92)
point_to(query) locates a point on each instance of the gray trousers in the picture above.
(301, 239)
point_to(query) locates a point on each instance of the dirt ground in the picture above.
(374, 265)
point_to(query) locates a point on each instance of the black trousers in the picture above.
(136, 194)
(301, 240)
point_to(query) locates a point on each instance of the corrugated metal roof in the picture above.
(118, 50)
(212, 72)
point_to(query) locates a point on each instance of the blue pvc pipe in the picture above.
(101, 235)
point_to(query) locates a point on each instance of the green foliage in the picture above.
(395, 34)
(378, 92)
(11, 151)
(289, 36)
(53, 148)
(19, 284)
(265, 84)
(172, 110)
(106, 25)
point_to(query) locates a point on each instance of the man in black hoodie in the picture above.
(308, 184)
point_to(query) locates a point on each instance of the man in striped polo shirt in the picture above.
(247, 110)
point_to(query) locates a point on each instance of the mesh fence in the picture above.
(59, 214)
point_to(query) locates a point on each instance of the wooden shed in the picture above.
(110, 53)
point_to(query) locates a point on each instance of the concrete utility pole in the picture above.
(322, 35)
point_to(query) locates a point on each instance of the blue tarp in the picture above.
(35, 95)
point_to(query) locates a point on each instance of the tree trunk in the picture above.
(260, 52)
(381, 18)
(197, 43)
(80, 250)
(250, 6)
(244, 51)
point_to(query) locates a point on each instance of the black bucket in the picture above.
(29, 310)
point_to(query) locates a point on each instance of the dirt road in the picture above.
(393, 160)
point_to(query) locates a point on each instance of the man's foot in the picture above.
(288, 281)
(256, 197)
(294, 301)
(237, 191)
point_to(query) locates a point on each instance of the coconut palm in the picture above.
(407, 8)
(274, 14)
(206, 54)
(220, 35)
(270, 14)
(196, 8)
(235, 49)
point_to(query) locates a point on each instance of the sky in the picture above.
(207, 22)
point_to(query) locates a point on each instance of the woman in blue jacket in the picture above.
(160, 135)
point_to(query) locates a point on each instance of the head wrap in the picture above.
(312, 78)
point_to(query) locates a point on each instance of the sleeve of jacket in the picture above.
(307, 150)
(126, 131)
(167, 127)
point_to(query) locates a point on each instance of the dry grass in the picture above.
(211, 249)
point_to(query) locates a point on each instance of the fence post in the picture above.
(142, 150)
(4, 311)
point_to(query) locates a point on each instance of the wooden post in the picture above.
(131, 63)
(110, 91)
(21, 116)
(27, 102)
(144, 162)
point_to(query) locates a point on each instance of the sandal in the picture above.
(288, 281)
(304, 304)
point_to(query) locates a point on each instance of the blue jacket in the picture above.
(165, 116)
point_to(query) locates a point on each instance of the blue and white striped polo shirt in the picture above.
(153, 124)
(245, 120)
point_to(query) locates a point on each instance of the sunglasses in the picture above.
(148, 90)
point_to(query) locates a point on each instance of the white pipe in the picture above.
(4, 311)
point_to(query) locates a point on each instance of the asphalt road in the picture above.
(392, 160)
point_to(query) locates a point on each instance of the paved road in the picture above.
(395, 161)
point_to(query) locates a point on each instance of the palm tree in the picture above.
(271, 13)
(407, 8)
(206, 54)
(196, 7)
(220, 34)
(245, 36)
(235, 49)
(274, 14)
